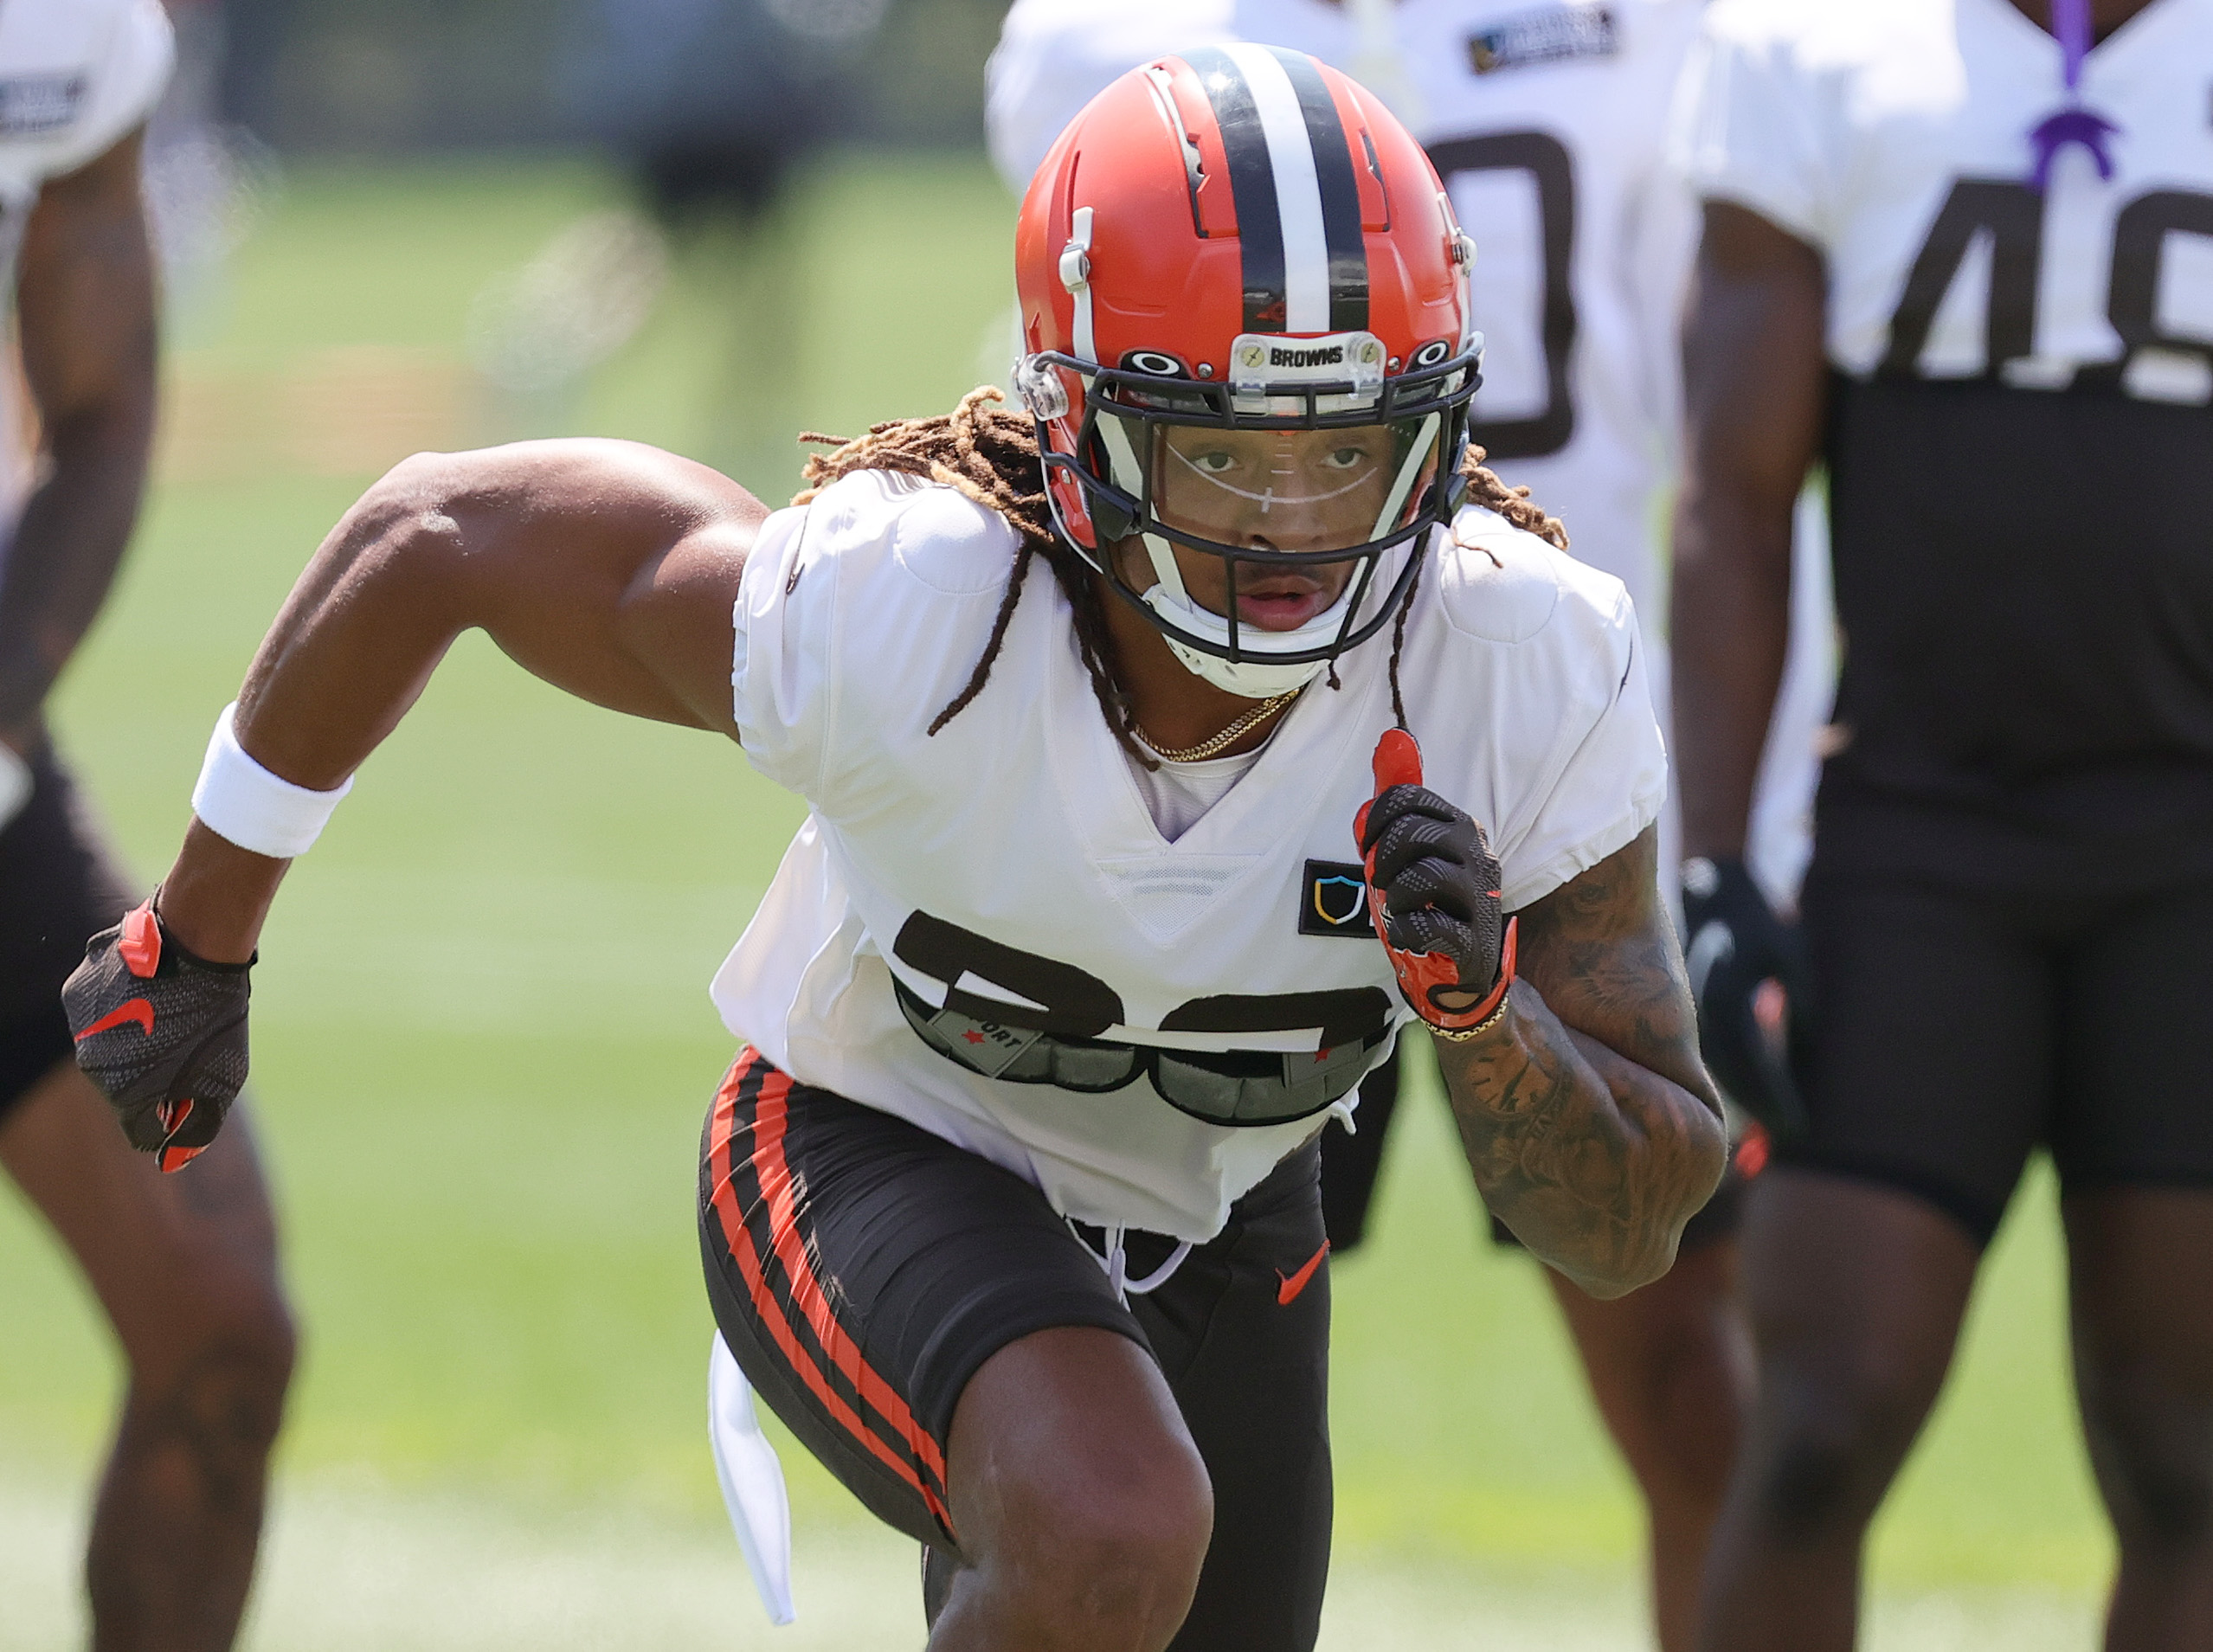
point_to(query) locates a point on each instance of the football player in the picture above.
(1960, 251)
(1547, 123)
(1009, 1204)
(186, 1270)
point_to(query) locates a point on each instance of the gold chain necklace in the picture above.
(1244, 723)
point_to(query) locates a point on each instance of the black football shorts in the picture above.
(1351, 1160)
(861, 1269)
(59, 886)
(1962, 1025)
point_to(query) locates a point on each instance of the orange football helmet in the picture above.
(1243, 239)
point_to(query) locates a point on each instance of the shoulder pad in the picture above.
(952, 544)
(1494, 581)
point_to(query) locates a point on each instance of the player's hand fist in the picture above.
(163, 1033)
(1732, 944)
(1433, 889)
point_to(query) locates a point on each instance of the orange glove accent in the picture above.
(1433, 890)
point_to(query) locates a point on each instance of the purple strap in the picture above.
(2075, 123)
(2071, 23)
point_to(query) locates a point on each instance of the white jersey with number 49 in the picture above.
(1893, 135)
(983, 931)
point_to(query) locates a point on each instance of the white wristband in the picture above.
(238, 799)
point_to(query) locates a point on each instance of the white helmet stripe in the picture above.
(1298, 188)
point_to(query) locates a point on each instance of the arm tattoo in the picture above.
(1587, 1118)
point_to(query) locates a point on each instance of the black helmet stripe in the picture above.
(1333, 171)
(1252, 186)
(1291, 181)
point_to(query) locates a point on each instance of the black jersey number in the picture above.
(1546, 161)
(1072, 1003)
(2140, 234)
(2011, 214)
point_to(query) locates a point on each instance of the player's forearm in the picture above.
(1594, 1162)
(88, 328)
(1730, 625)
(1753, 390)
(68, 546)
(364, 627)
(608, 570)
(217, 896)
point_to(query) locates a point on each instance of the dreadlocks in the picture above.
(1513, 502)
(992, 457)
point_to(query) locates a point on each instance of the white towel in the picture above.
(752, 1480)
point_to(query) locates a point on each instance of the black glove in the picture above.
(1733, 941)
(163, 1033)
(1433, 890)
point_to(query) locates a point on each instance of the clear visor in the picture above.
(1305, 492)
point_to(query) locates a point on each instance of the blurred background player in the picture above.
(186, 1269)
(1547, 124)
(713, 107)
(1962, 252)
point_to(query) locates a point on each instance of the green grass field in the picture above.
(483, 1045)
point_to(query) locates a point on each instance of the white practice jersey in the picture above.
(985, 933)
(75, 76)
(1892, 135)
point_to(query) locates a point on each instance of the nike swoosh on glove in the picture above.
(163, 1033)
(1433, 890)
(1733, 941)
